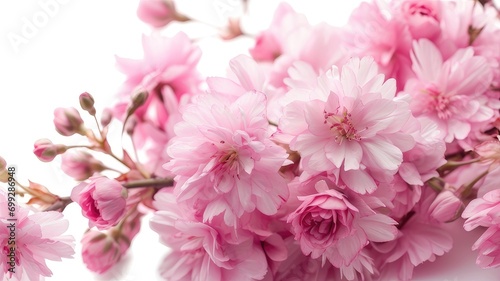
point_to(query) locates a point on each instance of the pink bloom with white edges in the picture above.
(200, 251)
(102, 200)
(223, 159)
(38, 238)
(330, 225)
(449, 92)
(350, 125)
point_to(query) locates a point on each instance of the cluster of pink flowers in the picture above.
(327, 153)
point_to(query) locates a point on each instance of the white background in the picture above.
(72, 51)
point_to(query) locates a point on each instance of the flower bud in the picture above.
(446, 207)
(99, 251)
(68, 121)
(107, 116)
(87, 103)
(80, 165)
(130, 125)
(46, 151)
(138, 100)
(158, 13)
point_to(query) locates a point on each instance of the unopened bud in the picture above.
(446, 207)
(106, 117)
(68, 121)
(130, 125)
(137, 101)
(80, 165)
(46, 151)
(87, 103)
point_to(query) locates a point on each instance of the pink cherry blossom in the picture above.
(330, 225)
(446, 206)
(102, 200)
(483, 211)
(201, 251)
(372, 31)
(39, 237)
(235, 168)
(350, 125)
(421, 16)
(449, 92)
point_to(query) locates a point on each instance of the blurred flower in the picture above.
(68, 121)
(483, 211)
(158, 13)
(489, 248)
(102, 200)
(99, 251)
(80, 165)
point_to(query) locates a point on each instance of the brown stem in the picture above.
(155, 183)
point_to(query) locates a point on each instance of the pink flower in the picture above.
(328, 225)
(421, 16)
(80, 165)
(483, 211)
(158, 13)
(450, 92)
(489, 151)
(489, 248)
(201, 252)
(271, 43)
(46, 151)
(223, 159)
(102, 201)
(39, 237)
(68, 121)
(350, 125)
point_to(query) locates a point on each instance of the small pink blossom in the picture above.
(39, 237)
(421, 16)
(80, 165)
(46, 151)
(102, 200)
(328, 225)
(68, 121)
(235, 170)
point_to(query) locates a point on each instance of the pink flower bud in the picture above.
(130, 125)
(46, 151)
(81, 165)
(87, 103)
(99, 251)
(158, 13)
(68, 121)
(446, 207)
(107, 116)
(102, 200)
